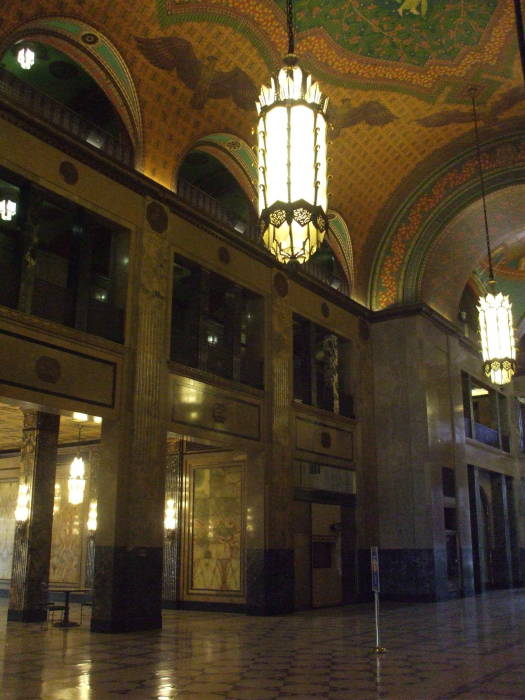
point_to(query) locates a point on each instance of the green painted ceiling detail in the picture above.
(411, 31)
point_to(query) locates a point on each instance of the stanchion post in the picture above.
(374, 568)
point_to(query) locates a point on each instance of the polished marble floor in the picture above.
(472, 648)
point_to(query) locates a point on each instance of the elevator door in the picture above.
(326, 555)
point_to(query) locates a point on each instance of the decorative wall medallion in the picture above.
(89, 38)
(224, 255)
(325, 309)
(219, 412)
(69, 172)
(280, 284)
(326, 439)
(157, 217)
(233, 145)
(364, 329)
(47, 369)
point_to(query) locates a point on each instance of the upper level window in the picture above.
(62, 262)
(321, 367)
(485, 412)
(217, 326)
(57, 89)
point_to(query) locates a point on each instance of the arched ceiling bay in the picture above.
(461, 249)
(396, 73)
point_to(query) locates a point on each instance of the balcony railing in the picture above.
(215, 210)
(64, 118)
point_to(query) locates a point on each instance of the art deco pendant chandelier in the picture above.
(292, 160)
(495, 309)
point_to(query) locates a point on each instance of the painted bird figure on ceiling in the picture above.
(202, 77)
(416, 7)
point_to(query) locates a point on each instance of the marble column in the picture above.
(501, 556)
(270, 579)
(32, 546)
(129, 546)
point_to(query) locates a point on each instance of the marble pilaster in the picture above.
(32, 545)
(129, 548)
(270, 570)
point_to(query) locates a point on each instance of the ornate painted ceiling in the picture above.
(397, 74)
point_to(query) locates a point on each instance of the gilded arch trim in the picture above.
(400, 259)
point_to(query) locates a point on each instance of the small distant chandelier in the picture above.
(8, 207)
(26, 58)
(77, 478)
(292, 160)
(496, 328)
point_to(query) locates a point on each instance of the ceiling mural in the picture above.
(409, 31)
(202, 77)
(396, 73)
(396, 273)
(427, 46)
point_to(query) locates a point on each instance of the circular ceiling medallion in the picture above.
(89, 38)
(326, 439)
(69, 172)
(280, 284)
(157, 217)
(48, 369)
(224, 255)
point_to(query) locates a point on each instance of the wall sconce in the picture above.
(22, 503)
(170, 518)
(78, 417)
(92, 518)
(77, 476)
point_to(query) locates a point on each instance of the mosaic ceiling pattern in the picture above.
(396, 73)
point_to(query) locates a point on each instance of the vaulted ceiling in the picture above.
(397, 72)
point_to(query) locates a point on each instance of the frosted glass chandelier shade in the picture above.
(497, 337)
(292, 155)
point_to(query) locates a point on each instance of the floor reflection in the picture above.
(470, 649)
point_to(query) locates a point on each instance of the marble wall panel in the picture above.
(69, 529)
(28, 363)
(216, 530)
(195, 404)
(8, 496)
(322, 438)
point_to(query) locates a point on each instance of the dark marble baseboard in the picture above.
(270, 581)
(38, 615)
(127, 589)
(405, 575)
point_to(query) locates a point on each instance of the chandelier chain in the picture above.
(289, 19)
(482, 182)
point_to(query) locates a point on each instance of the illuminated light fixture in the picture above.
(8, 207)
(92, 517)
(496, 328)
(479, 391)
(79, 417)
(97, 420)
(26, 58)
(22, 503)
(76, 482)
(170, 516)
(292, 160)
(57, 498)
